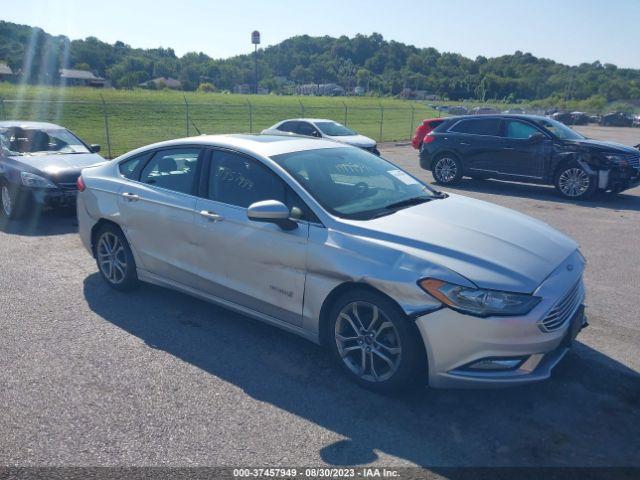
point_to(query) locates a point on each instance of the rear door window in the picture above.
(130, 168)
(172, 169)
(477, 126)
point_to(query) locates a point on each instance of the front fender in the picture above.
(335, 258)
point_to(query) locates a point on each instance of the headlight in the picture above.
(617, 160)
(35, 181)
(479, 302)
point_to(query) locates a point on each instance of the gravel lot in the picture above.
(89, 376)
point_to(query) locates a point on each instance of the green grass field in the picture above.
(140, 117)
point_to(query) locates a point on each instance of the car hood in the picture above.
(601, 146)
(56, 162)
(60, 167)
(355, 140)
(491, 246)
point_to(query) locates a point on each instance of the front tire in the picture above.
(114, 259)
(375, 343)
(447, 170)
(10, 205)
(574, 182)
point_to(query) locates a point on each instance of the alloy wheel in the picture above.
(368, 343)
(7, 206)
(112, 258)
(574, 182)
(446, 170)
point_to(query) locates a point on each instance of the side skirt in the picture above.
(148, 277)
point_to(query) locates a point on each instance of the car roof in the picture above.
(266, 145)
(307, 120)
(28, 125)
(520, 116)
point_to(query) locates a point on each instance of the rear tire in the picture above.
(375, 343)
(574, 182)
(114, 259)
(447, 170)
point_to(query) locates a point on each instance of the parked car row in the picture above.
(531, 149)
(307, 228)
(613, 119)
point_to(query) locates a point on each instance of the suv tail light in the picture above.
(80, 184)
(429, 138)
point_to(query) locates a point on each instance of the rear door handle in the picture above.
(211, 216)
(130, 197)
(508, 148)
(465, 144)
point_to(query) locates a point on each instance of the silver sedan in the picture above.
(404, 285)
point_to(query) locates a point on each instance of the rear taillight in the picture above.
(429, 138)
(81, 185)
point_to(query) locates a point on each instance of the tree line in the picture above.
(379, 66)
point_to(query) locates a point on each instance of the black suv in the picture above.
(530, 149)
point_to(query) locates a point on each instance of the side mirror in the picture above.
(536, 137)
(271, 211)
(316, 133)
(94, 148)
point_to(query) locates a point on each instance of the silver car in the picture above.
(404, 285)
(323, 128)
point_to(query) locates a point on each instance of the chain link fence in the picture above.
(123, 126)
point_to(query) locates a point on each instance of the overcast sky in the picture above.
(569, 31)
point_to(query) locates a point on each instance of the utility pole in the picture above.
(255, 39)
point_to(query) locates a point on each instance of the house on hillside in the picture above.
(6, 73)
(243, 89)
(162, 82)
(409, 93)
(324, 89)
(246, 89)
(80, 78)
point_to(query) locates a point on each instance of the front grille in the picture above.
(633, 160)
(562, 311)
(68, 189)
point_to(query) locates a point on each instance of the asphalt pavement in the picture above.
(90, 376)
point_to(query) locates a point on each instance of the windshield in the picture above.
(560, 130)
(334, 129)
(352, 183)
(30, 141)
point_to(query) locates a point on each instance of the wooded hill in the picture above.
(380, 66)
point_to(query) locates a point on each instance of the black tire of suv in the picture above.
(412, 370)
(575, 167)
(130, 280)
(437, 172)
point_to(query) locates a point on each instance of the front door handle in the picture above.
(211, 216)
(130, 197)
(508, 148)
(465, 144)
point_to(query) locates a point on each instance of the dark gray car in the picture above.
(39, 166)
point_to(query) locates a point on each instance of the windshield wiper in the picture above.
(408, 202)
(394, 207)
